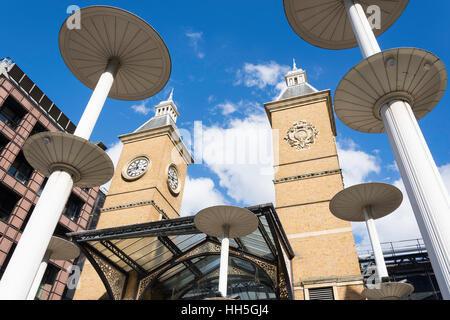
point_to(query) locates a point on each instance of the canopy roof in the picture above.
(175, 260)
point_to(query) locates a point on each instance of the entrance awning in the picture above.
(174, 260)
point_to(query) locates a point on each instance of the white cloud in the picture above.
(142, 108)
(356, 164)
(200, 194)
(241, 155)
(244, 107)
(194, 39)
(114, 153)
(227, 108)
(261, 75)
(211, 98)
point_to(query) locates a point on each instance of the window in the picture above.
(321, 294)
(12, 112)
(38, 128)
(3, 142)
(73, 208)
(8, 201)
(27, 218)
(8, 257)
(49, 279)
(21, 169)
(42, 187)
(61, 231)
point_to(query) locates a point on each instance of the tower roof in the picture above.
(166, 113)
(297, 84)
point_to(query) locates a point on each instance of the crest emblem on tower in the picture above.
(302, 135)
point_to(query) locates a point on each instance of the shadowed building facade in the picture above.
(307, 177)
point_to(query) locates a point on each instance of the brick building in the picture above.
(25, 111)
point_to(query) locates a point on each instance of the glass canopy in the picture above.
(174, 260)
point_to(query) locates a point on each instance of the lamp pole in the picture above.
(424, 185)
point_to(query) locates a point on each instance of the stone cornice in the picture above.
(336, 280)
(158, 132)
(321, 96)
(135, 205)
(308, 176)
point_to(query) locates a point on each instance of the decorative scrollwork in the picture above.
(302, 135)
(208, 247)
(115, 278)
(143, 284)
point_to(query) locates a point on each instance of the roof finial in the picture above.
(295, 65)
(171, 95)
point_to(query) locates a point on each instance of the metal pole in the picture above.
(426, 191)
(361, 26)
(224, 252)
(376, 246)
(39, 276)
(17, 280)
(97, 101)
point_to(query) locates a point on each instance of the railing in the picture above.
(392, 249)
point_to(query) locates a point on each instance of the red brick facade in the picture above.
(10, 227)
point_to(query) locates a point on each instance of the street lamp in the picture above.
(369, 202)
(119, 55)
(58, 249)
(388, 92)
(226, 222)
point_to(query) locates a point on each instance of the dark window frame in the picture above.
(12, 113)
(4, 141)
(73, 208)
(7, 193)
(21, 171)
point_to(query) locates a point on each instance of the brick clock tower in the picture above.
(307, 177)
(148, 183)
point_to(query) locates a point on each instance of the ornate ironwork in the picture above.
(122, 256)
(115, 279)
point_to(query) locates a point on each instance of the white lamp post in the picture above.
(388, 92)
(58, 249)
(368, 202)
(118, 55)
(226, 222)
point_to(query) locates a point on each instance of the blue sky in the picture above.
(228, 59)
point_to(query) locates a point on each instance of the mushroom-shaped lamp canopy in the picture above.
(406, 74)
(241, 222)
(383, 199)
(111, 33)
(325, 24)
(61, 249)
(88, 164)
(388, 291)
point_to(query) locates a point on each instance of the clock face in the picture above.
(136, 168)
(173, 179)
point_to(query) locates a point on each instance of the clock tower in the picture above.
(308, 176)
(148, 183)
